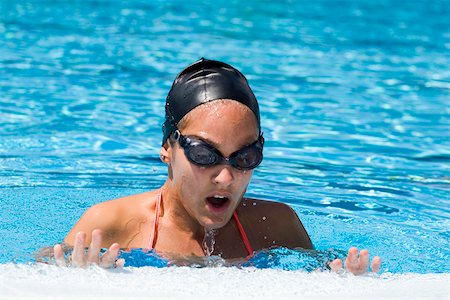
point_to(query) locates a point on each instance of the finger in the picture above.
(78, 254)
(376, 264)
(336, 265)
(120, 263)
(351, 262)
(363, 261)
(59, 255)
(94, 247)
(109, 258)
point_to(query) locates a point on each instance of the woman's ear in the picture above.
(166, 153)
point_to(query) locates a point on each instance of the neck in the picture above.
(176, 216)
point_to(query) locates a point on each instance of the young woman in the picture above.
(212, 141)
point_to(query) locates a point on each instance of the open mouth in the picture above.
(217, 201)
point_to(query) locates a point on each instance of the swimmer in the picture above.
(212, 142)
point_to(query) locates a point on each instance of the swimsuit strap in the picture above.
(243, 235)
(155, 221)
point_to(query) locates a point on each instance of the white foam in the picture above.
(50, 282)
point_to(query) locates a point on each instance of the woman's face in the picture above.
(210, 194)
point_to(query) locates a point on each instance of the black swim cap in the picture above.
(204, 81)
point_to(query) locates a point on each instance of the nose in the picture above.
(225, 176)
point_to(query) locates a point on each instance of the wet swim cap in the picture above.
(204, 81)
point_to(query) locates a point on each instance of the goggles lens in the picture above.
(203, 154)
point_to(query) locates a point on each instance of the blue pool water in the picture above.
(354, 98)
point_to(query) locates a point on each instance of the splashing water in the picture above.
(209, 241)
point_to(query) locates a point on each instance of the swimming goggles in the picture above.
(203, 154)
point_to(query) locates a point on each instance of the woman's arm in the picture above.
(280, 223)
(81, 258)
(96, 229)
(104, 216)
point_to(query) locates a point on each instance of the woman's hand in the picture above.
(357, 265)
(82, 259)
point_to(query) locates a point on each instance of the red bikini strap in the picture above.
(243, 235)
(155, 221)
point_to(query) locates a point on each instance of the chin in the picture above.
(211, 224)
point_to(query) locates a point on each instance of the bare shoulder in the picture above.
(251, 204)
(273, 223)
(112, 216)
(268, 210)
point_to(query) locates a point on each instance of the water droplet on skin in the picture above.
(273, 242)
(264, 218)
(265, 237)
(254, 203)
(244, 204)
